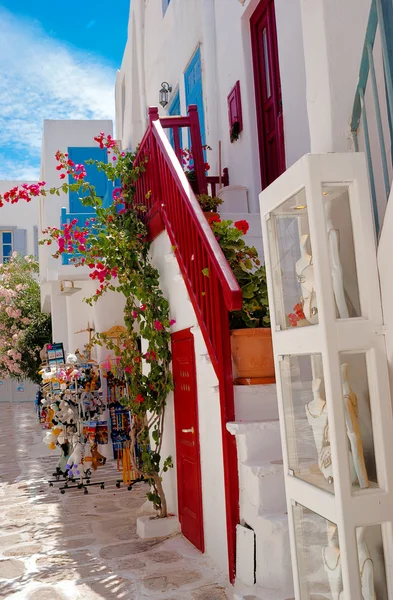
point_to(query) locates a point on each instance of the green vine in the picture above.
(115, 248)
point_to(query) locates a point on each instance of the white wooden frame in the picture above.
(330, 337)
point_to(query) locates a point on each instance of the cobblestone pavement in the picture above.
(82, 547)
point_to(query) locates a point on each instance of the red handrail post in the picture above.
(176, 141)
(153, 158)
(196, 148)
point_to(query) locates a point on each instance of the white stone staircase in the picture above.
(263, 553)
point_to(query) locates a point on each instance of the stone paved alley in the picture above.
(82, 547)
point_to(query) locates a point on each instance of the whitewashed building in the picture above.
(293, 78)
(18, 233)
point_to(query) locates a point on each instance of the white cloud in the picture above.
(41, 78)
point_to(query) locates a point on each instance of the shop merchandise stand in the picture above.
(83, 481)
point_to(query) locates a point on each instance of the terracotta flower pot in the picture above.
(210, 214)
(252, 353)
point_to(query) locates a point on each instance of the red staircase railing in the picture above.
(171, 204)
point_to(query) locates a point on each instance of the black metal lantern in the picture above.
(164, 93)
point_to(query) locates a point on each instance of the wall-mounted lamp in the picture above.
(67, 288)
(164, 93)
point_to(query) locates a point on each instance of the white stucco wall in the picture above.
(159, 49)
(59, 135)
(333, 37)
(23, 215)
(213, 495)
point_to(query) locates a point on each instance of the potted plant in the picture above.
(209, 204)
(188, 167)
(251, 340)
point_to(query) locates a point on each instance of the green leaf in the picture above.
(205, 272)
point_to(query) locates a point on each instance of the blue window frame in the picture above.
(97, 178)
(165, 4)
(6, 245)
(194, 91)
(174, 109)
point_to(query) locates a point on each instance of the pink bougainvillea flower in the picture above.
(143, 306)
(128, 369)
(172, 322)
(158, 325)
(134, 314)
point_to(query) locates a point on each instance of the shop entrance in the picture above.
(267, 92)
(189, 483)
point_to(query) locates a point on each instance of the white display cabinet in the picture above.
(332, 377)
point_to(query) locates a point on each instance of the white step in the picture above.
(255, 402)
(258, 593)
(273, 556)
(265, 482)
(257, 441)
(268, 541)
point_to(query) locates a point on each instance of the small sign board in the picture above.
(55, 354)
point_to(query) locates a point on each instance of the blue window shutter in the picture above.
(20, 241)
(93, 175)
(35, 234)
(194, 92)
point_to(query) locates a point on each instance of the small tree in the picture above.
(24, 329)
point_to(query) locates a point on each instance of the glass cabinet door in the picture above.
(294, 292)
(343, 270)
(306, 419)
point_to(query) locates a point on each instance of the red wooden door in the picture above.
(189, 484)
(267, 92)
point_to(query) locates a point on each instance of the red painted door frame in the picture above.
(188, 464)
(267, 92)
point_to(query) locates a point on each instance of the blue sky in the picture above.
(57, 61)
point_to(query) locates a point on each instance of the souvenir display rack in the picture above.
(71, 401)
(123, 426)
(332, 377)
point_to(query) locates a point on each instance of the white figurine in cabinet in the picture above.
(353, 428)
(366, 566)
(335, 264)
(331, 557)
(305, 275)
(317, 417)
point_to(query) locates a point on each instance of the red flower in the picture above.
(139, 398)
(158, 325)
(293, 319)
(242, 226)
(62, 176)
(213, 219)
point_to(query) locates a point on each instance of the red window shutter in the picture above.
(235, 111)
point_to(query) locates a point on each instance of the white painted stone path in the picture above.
(83, 547)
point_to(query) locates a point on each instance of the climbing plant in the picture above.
(114, 247)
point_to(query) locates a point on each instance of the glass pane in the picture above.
(7, 237)
(266, 61)
(371, 562)
(294, 293)
(318, 556)
(356, 397)
(306, 419)
(341, 250)
(7, 250)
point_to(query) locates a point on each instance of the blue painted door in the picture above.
(174, 109)
(93, 176)
(194, 92)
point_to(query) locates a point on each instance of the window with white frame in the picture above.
(6, 245)
(165, 4)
